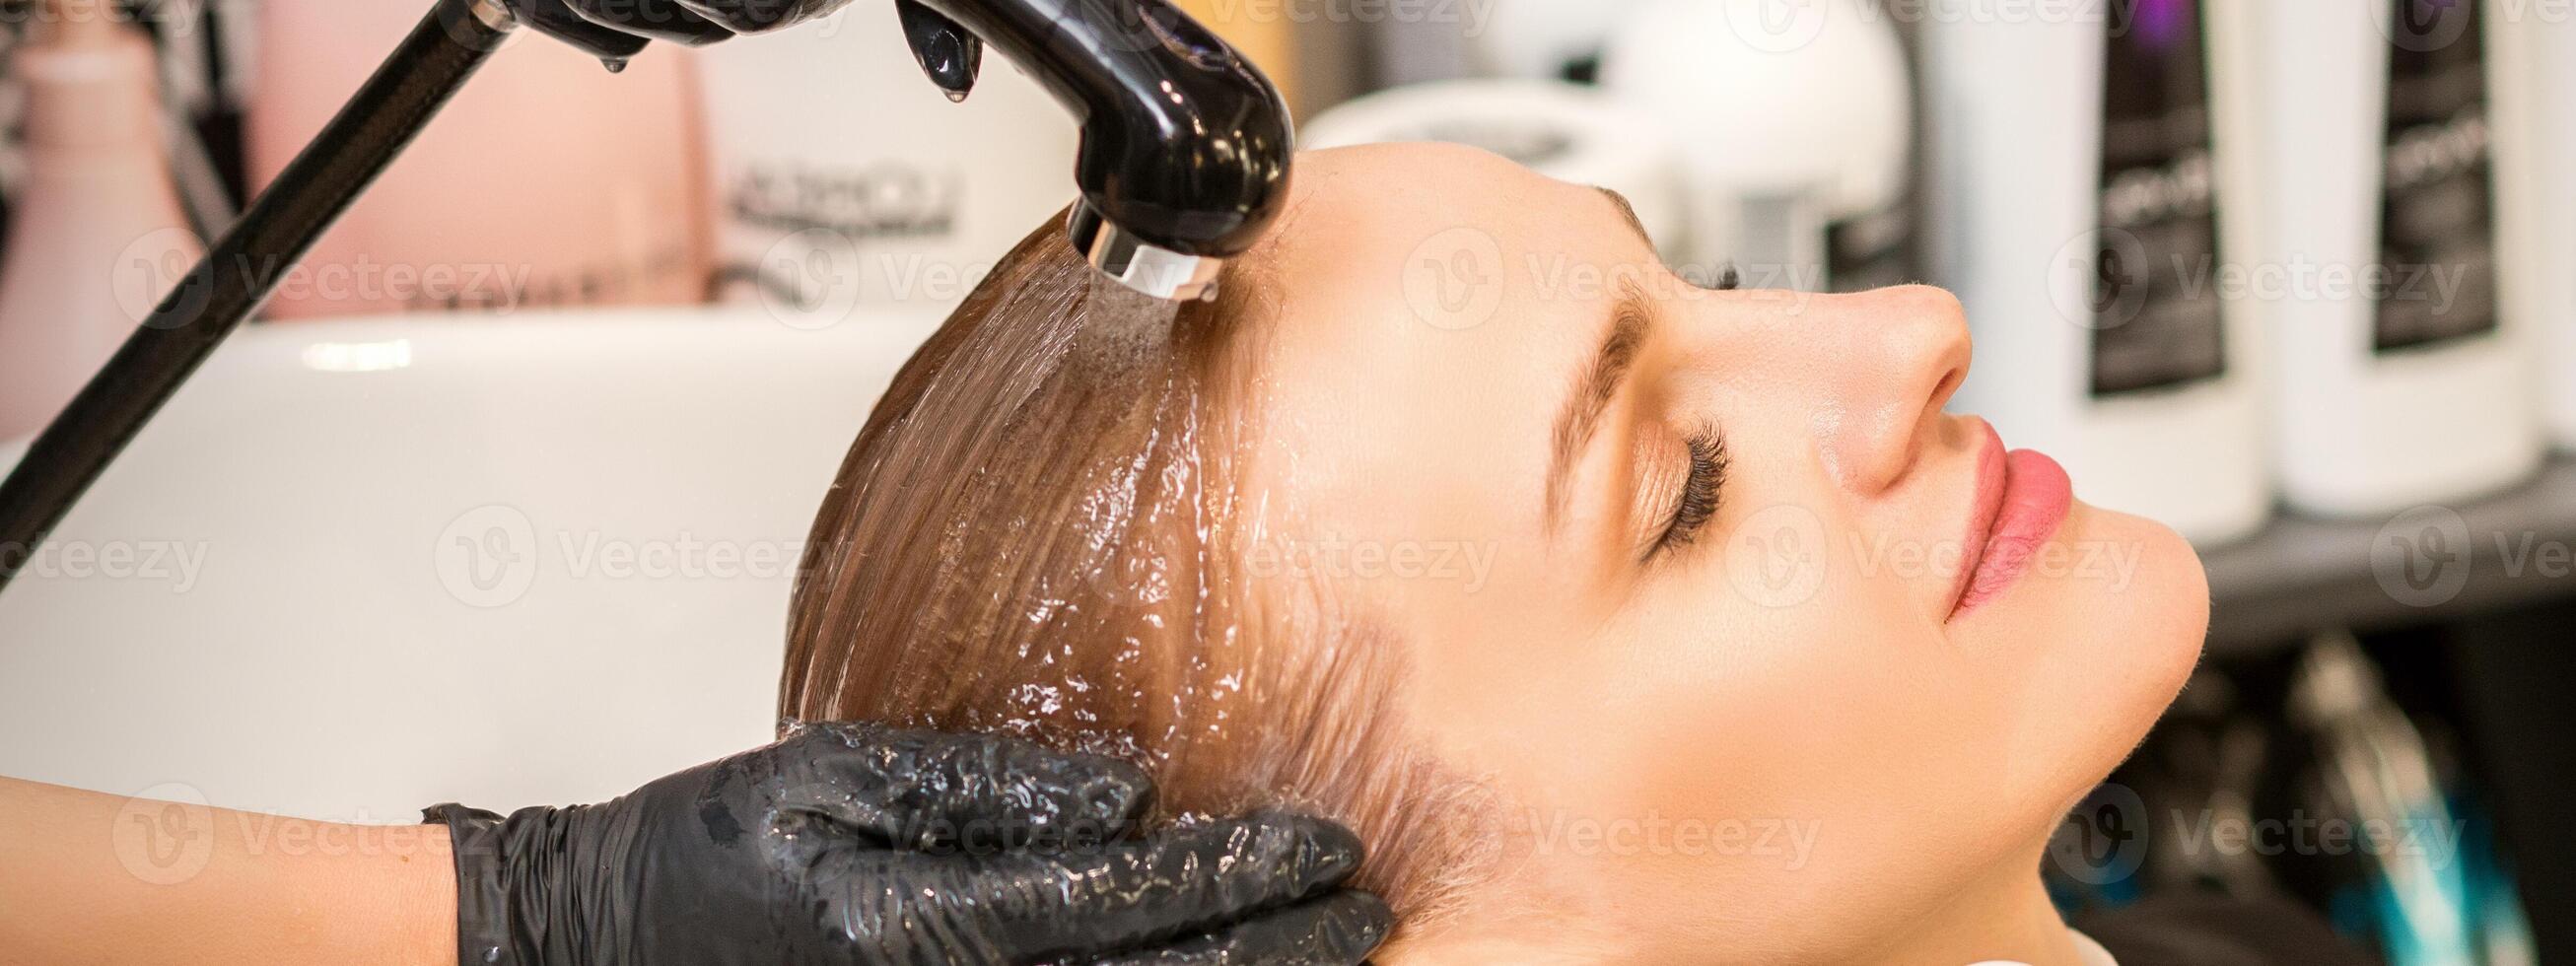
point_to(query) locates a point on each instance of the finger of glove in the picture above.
(554, 19)
(1340, 929)
(1184, 880)
(931, 791)
(759, 16)
(658, 19)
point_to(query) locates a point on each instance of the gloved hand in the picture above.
(853, 844)
(616, 29)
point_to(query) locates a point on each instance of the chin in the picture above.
(2175, 589)
(2165, 607)
(2113, 651)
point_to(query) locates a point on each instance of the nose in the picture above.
(1897, 356)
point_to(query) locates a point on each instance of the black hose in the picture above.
(242, 268)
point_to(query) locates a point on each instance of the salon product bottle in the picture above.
(1794, 134)
(2399, 377)
(2534, 78)
(2080, 190)
(97, 236)
(1565, 131)
(549, 182)
(892, 196)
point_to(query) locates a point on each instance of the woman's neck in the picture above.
(2007, 918)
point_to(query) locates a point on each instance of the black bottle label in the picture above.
(2435, 280)
(2156, 319)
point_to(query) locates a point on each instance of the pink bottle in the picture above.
(549, 182)
(98, 237)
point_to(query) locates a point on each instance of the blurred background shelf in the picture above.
(2300, 574)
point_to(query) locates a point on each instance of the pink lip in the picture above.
(2022, 497)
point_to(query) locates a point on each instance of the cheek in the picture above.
(1737, 708)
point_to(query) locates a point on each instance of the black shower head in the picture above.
(1185, 145)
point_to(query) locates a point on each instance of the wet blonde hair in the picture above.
(1041, 531)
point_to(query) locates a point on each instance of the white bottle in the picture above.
(2534, 94)
(2075, 214)
(1565, 131)
(2399, 376)
(97, 237)
(1795, 135)
(843, 178)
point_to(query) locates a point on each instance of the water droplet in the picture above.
(615, 65)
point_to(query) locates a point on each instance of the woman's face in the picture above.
(1745, 630)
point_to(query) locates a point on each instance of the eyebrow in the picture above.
(1594, 386)
(1628, 213)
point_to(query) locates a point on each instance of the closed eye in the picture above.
(1700, 491)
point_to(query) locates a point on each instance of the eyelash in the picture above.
(1699, 497)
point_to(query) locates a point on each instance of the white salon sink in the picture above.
(360, 567)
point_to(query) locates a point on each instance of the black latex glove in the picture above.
(616, 29)
(851, 844)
